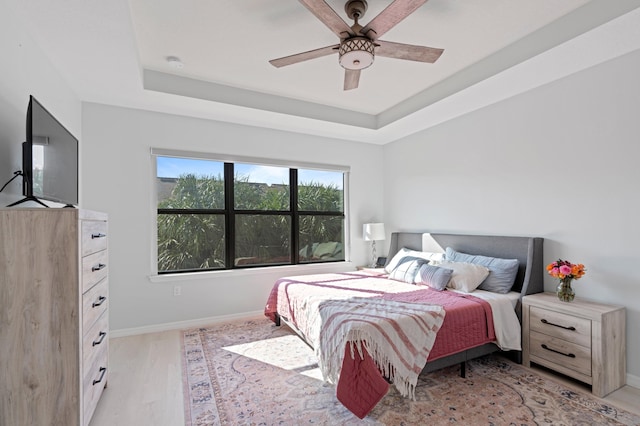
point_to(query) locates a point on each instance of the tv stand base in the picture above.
(25, 199)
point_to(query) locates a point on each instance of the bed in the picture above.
(308, 304)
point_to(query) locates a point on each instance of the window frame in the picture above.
(230, 212)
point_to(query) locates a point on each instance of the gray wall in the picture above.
(559, 162)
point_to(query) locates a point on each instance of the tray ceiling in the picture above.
(117, 52)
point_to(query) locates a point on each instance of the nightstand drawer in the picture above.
(561, 352)
(561, 326)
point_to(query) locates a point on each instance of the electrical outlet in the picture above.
(177, 290)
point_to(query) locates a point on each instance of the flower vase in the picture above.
(564, 291)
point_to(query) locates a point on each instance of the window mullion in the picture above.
(293, 206)
(230, 219)
(191, 211)
(319, 213)
(264, 212)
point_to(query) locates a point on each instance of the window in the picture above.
(228, 215)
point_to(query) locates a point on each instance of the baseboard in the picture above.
(181, 325)
(633, 381)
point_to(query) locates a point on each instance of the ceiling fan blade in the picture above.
(329, 17)
(304, 56)
(390, 16)
(351, 79)
(409, 52)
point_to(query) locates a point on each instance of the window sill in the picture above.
(279, 270)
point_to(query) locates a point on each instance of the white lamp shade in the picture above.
(373, 231)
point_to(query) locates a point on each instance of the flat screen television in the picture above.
(49, 159)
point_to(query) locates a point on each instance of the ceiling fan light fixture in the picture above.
(356, 53)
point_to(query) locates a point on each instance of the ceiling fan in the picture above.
(359, 45)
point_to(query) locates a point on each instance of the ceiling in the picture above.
(116, 51)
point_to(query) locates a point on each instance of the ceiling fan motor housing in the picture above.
(356, 53)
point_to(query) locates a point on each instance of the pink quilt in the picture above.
(468, 323)
(362, 386)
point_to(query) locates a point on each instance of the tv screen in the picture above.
(49, 158)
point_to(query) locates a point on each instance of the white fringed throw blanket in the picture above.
(397, 335)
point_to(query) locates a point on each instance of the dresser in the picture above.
(580, 339)
(54, 321)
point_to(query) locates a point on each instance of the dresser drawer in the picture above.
(96, 338)
(95, 267)
(95, 379)
(561, 326)
(561, 352)
(95, 352)
(94, 303)
(94, 236)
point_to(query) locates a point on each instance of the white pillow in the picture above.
(404, 252)
(466, 276)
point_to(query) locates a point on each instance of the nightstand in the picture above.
(580, 339)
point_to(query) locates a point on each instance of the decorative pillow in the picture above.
(502, 271)
(407, 268)
(466, 276)
(403, 252)
(433, 276)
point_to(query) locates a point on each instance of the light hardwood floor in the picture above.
(145, 383)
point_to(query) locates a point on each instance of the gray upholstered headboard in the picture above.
(528, 251)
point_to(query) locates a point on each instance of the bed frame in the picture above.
(529, 279)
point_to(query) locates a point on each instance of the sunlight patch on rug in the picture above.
(252, 372)
(284, 352)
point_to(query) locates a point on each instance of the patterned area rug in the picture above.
(254, 373)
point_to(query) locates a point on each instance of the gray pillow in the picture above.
(433, 276)
(407, 268)
(502, 271)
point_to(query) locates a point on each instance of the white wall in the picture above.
(26, 71)
(559, 162)
(118, 179)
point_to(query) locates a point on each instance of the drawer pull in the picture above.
(101, 337)
(544, 321)
(99, 302)
(98, 235)
(103, 370)
(570, 355)
(98, 267)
